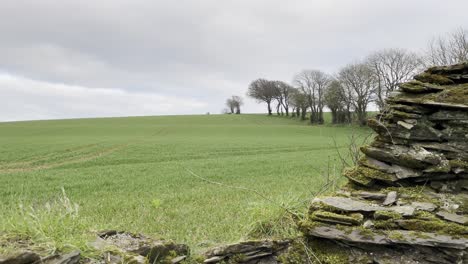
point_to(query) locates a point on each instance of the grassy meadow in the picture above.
(63, 180)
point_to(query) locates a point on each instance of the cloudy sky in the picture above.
(94, 58)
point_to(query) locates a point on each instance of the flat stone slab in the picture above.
(70, 258)
(371, 195)
(131, 244)
(459, 219)
(391, 198)
(263, 250)
(424, 206)
(409, 238)
(352, 205)
(25, 257)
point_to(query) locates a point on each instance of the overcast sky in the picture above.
(94, 58)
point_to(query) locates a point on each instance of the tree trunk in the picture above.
(304, 113)
(313, 117)
(334, 116)
(269, 107)
(362, 117)
(320, 117)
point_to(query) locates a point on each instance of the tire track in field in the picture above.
(79, 159)
(45, 157)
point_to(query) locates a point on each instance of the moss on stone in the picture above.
(365, 233)
(374, 174)
(396, 235)
(433, 78)
(325, 216)
(403, 115)
(419, 87)
(458, 163)
(386, 215)
(424, 215)
(365, 175)
(305, 226)
(456, 94)
(385, 224)
(316, 206)
(354, 175)
(436, 225)
(301, 252)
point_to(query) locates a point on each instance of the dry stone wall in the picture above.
(407, 198)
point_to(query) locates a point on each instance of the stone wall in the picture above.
(406, 201)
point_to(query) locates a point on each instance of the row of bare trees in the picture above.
(350, 92)
(233, 105)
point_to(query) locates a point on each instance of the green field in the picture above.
(133, 174)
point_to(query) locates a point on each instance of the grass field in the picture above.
(133, 174)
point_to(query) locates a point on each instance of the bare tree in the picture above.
(234, 103)
(263, 91)
(238, 102)
(359, 85)
(231, 105)
(284, 93)
(334, 99)
(449, 49)
(279, 98)
(299, 101)
(391, 67)
(313, 84)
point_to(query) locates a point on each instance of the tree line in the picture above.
(349, 92)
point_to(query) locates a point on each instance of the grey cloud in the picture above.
(205, 50)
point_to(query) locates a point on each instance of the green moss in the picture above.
(396, 235)
(424, 215)
(386, 215)
(305, 226)
(385, 224)
(457, 94)
(420, 235)
(324, 253)
(316, 206)
(458, 163)
(436, 225)
(415, 192)
(354, 175)
(433, 78)
(350, 219)
(374, 174)
(419, 87)
(461, 200)
(237, 258)
(366, 233)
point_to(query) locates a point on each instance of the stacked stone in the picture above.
(407, 198)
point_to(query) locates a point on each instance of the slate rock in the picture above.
(130, 244)
(352, 205)
(25, 257)
(459, 219)
(70, 258)
(382, 238)
(424, 206)
(252, 251)
(391, 198)
(371, 195)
